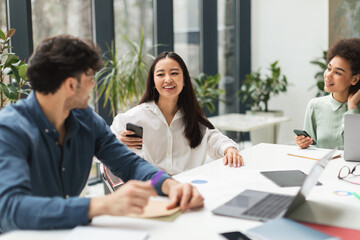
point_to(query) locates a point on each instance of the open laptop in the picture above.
(261, 206)
(352, 137)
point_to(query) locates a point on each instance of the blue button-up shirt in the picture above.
(40, 180)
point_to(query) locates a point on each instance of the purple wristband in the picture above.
(156, 178)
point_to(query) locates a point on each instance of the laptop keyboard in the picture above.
(270, 206)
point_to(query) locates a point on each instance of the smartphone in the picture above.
(138, 130)
(235, 236)
(299, 132)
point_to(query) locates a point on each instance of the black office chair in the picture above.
(111, 181)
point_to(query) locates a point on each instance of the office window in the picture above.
(3, 16)
(54, 17)
(187, 33)
(130, 17)
(226, 57)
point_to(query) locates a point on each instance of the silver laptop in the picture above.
(352, 137)
(261, 206)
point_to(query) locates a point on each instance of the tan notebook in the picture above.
(157, 209)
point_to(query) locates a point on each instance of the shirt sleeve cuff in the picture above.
(158, 185)
(225, 146)
(80, 209)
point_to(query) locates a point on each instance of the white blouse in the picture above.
(166, 146)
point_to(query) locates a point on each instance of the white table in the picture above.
(223, 184)
(238, 122)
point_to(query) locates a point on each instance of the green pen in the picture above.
(356, 195)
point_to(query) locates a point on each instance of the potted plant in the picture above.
(255, 93)
(256, 90)
(205, 87)
(12, 71)
(122, 80)
(319, 76)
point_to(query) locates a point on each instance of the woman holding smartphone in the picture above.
(324, 117)
(176, 134)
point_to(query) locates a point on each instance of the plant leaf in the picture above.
(10, 33)
(11, 60)
(9, 91)
(13, 95)
(4, 89)
(7, 71)
(15, 73)
(22, 71)
(2, 35)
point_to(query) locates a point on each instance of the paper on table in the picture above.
(201, 182)
(155, 209)
(310, 153)
(96, 233)
(338, 193)
(208, 186)
(333, 204)
(283, 229)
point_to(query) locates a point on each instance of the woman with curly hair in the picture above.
(324, 117)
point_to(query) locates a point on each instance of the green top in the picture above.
(324, 121)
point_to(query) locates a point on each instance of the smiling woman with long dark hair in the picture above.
(176, 134)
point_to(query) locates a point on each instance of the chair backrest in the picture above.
(111, 181)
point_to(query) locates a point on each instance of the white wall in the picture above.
(293, 32)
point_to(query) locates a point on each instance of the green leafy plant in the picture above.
(206, 90)
(12, 71)
(319, 76)
(122, 80)
(256, 90)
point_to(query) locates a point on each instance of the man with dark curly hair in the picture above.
(324, 117)
(47, 143)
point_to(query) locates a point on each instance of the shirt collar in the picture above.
(154, 107)
(43, 122)
(335, 105)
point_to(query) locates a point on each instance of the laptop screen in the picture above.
(309, 182)
(351, 137)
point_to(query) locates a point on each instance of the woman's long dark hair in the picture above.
(187, 102)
